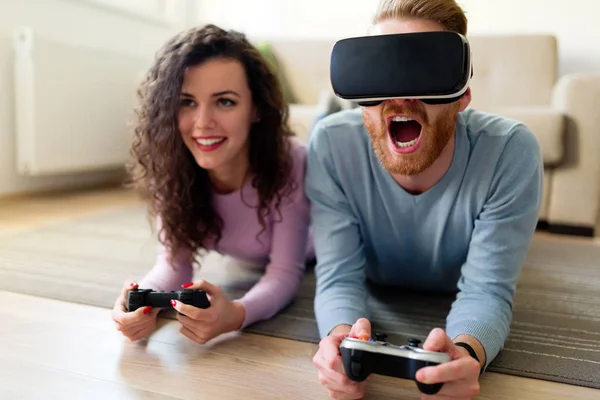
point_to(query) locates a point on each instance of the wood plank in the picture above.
(72, 351)
(74, 348)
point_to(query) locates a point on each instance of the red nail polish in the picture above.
(132, 284)
(187, 285)
(147, 309)
(173, 303)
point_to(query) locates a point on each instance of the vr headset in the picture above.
(434, 67)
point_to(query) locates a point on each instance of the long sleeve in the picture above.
(287, 259)
(501, 238)
(341, 294)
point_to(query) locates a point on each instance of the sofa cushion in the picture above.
(547, 124)
(513, 70)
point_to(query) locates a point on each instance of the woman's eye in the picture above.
(187, 103)
(226, 102)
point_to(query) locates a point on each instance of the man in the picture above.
(447, 203)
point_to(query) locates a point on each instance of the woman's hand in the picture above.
(137, 324)
(202, 325)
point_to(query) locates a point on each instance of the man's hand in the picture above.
(460, 376)
(137, 324)
(202, 325)
(328, 361)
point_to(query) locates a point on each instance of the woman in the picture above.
(221, 171)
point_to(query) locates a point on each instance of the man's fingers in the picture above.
(438, 340)
(344, 396)
(330, 354)
(335, 377)
(457, 390)
(361, 328)
(332, 371)
(344, 389)
(462, 368)
(352, 392)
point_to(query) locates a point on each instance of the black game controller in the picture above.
(147, 297)
(365, 356)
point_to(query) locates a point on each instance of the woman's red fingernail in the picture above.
(173, 303)
(187, 285)
(147, 309)
(132, 284)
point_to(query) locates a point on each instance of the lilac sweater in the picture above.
(283, 248)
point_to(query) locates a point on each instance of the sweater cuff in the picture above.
(252, 312)
(338, 316)
(489, 338)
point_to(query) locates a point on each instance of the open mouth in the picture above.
(404, 132)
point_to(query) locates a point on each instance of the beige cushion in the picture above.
(513, 70)
(547, 124)
(547, 189)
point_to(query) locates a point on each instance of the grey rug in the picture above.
(555, 334)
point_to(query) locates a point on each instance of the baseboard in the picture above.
(560, 229)
(542, 225)
(110, 181)
(563, 229)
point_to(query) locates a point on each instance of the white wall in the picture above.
(574, 21)
(290, 19)
(71, 21)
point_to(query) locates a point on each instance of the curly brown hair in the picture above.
(178, 191)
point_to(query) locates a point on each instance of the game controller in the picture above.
(147, 297)
(364, 356)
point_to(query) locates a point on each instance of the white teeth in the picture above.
(401, 118)
(407, 144)
(209, 142)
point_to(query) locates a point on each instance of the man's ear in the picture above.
(465, 100)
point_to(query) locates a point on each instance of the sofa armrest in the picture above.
(575, 192)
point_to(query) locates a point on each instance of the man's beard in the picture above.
(435, 136)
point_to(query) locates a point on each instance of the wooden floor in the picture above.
(53, 349)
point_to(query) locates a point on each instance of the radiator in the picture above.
(73, 104)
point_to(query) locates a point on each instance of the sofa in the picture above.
(515, 76)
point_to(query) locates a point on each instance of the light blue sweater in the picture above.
(470, 232)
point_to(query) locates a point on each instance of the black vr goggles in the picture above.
(434, 67)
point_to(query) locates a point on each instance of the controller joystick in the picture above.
(362, 358)
(147, 297)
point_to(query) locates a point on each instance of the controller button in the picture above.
(414, 342)
(381, 337)
(365, 338)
